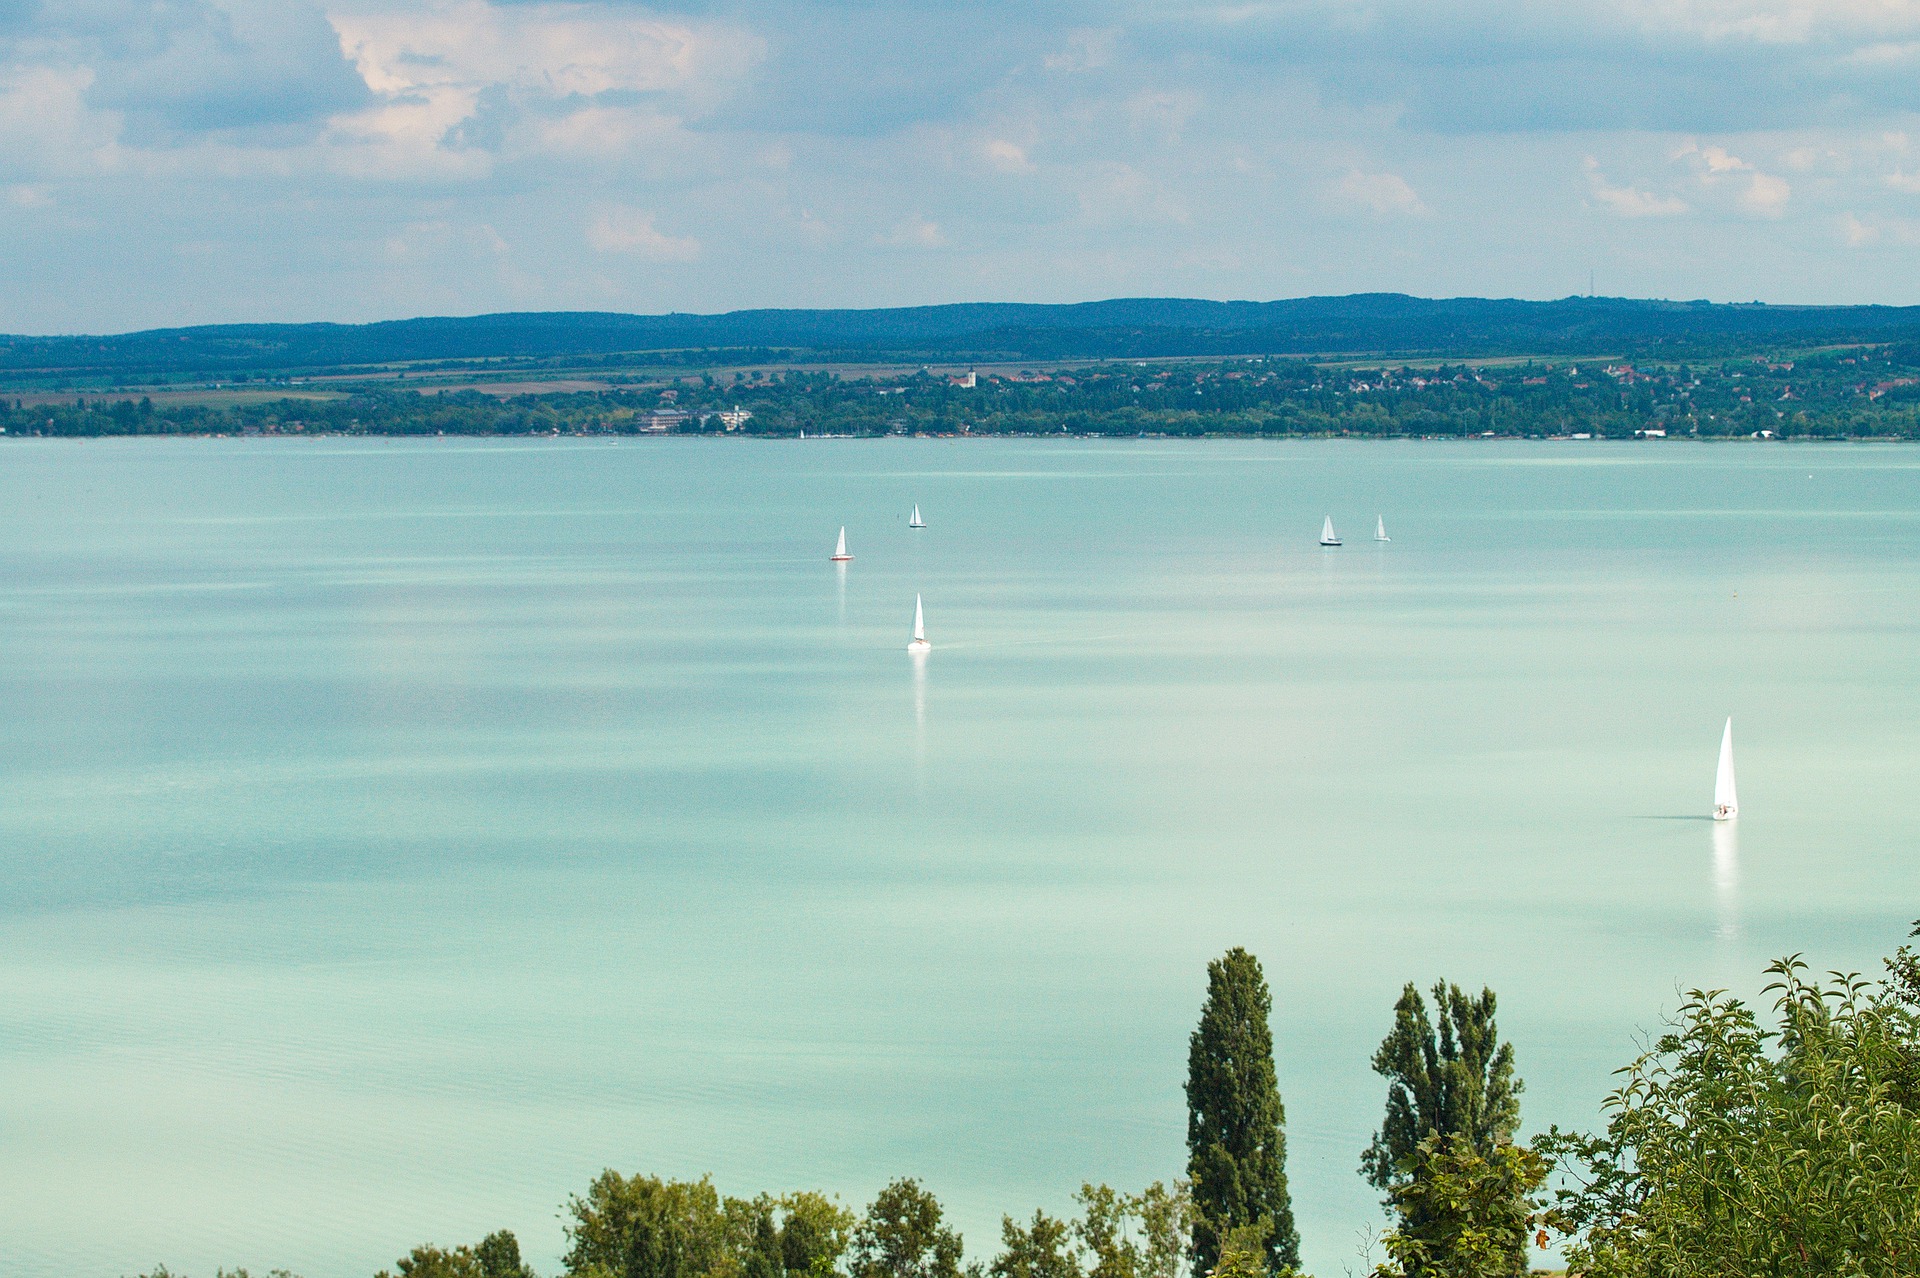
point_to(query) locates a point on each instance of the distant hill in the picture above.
(1365, 323)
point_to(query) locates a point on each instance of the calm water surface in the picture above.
(393, 835)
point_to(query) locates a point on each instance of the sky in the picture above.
(200, 161)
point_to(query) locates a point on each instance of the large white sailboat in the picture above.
(1726, 800)
(840, 555)
(919, 642)
(916, 521)
(1380, 528)
(1327, 537)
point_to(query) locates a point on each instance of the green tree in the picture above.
(763, 1257)
(1043, 1249)
(1166, 1223)
(1103, 1231)
(1236, 1152)
(1737, 1150)
(1457, 1081)
(814, 1232)
(161, 1271)
(645, 1227)
(1464, 1214)
(1903, 990)
(1242, 1255)
(495, 1256)
(901, 1236)
(795, 1234)
(1142, 1235)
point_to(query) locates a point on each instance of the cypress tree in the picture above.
(1236, 1152)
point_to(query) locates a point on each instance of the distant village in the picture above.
(1844, 392)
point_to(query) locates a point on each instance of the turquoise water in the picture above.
(395, 834)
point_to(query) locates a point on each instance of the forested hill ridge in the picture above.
(1364, 323)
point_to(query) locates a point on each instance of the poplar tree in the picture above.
(1455, 1079)
(1444, 1152)
(1236, 1151)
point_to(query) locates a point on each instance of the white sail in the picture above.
(840, 547)
(919, 643)
(1380, 528)
(1726, 800)
(1326, 533)
(916, 521)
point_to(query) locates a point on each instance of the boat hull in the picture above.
(919, 645)
(1325, 542)
(840, 559)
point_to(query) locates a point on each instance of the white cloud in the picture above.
(1008, 157)
(1123, 193)
(29, 195)
(1757, 192)
(559, 50)
(1630, 201)
(436, 67)
(602, 131)
(1774, 22)
(1162, 113)
(1386, 194)
(1086, 50)
(439, 240)
(619, 229)
(917, 232)
(1766, 195)
(1866, 232)
(46, 126)
(1900, 181)
(1716, 159)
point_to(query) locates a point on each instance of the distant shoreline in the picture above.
(976, 437)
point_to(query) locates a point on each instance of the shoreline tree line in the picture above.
(1732, 1148)
(1865, 392)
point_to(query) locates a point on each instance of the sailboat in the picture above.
(919, 642)
(1380, 528)
(840, 555)
(916, 521)
(1327, 537)
(1726, 801)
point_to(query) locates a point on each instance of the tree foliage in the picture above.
(903, 1235)
(1463, 1213)
(1236, 1151)
(1455, 1079)
(1733, 1150)
(1042, 1249)
(1444, 1150)
(1142, 1235)
(646, 1227)
(495, 1256)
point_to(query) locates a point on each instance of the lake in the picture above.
(395, 834)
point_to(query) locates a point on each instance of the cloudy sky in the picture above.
(187, 161)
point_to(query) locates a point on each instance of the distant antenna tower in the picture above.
(1589, 281)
